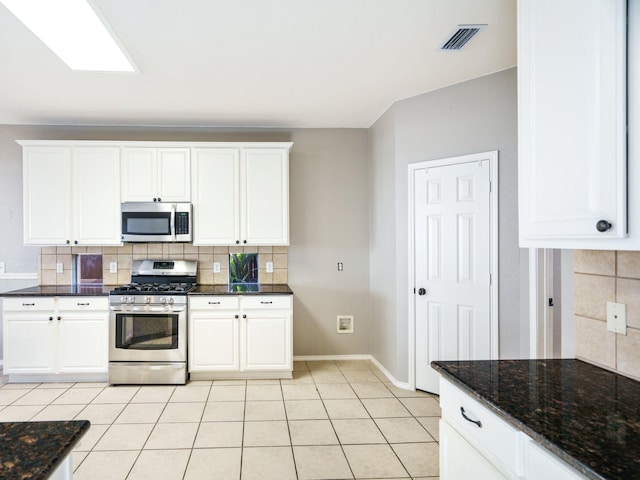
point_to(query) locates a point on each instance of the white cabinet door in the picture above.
(459, 460)
(572, 122)
(83, 335)
(214, 341)
(265, 196)
(138, 179)
(47, 195)
(216, 196)
(267, 340)
(174, 179)
(96, 177)
(543, 464)
(155, 174)
(29, 335)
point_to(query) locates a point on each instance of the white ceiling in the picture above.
(271, 63)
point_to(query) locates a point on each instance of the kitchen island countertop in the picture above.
(34, 450)
(587, 416)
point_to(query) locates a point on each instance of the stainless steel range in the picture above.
(148, 323)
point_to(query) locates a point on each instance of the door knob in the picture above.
(603, 226)
(422, 291)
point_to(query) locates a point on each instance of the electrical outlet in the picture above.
(113, 267)
(617, 317)
(2, 270)
(59, 268)
(340, 266)
(269, 267)
(216, 267)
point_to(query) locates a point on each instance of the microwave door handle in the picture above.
(173, 222)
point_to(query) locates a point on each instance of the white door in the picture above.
(174, 178)
(214, 341)
(453, 260)
(139, 174)
(267, 340)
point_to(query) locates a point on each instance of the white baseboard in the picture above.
(392, 379)
(18, 276)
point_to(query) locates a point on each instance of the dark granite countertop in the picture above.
(242, 289)
(34, 450)
(588, 416)
(93, 290)
(60, 291)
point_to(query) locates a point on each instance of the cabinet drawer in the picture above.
(262, 302)
(218, 302)
(26, 304)
(83, 303)
(490, 432)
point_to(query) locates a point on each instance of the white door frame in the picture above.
(493, 241)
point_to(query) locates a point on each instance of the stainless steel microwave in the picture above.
(156, 222)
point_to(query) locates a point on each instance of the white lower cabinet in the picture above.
(240, 336)
(48, 337)
(476, 443)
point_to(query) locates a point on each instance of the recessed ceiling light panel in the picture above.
(73, 30)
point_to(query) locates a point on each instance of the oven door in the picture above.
(148, 334)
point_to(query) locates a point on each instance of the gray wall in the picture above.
(329, 221)
(475, 116)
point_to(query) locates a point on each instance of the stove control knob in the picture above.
(163, 300)
(170, 300)
(123, 299)
(131, 300)
(147, 299)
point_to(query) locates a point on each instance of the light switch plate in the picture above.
(2, 270)
(113, 267)
(269, 267)
(59, 268)
(216, 267)
(617, 317)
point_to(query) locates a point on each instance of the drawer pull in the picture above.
(266, 303)
(83, 304)
(214, 303)
(28, 304)
(477, 422)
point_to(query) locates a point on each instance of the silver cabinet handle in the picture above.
(28, 304)
(84, 304)
(266, 303)
(477, 422)
(214, 303)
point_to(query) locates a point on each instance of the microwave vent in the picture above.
(460, 37)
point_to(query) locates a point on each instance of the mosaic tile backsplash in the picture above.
(124, 255)
(601, 277)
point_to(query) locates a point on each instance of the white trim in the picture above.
(392, 379)
(492, 156)
(18, 276)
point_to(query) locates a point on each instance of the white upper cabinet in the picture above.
(241, 195)
(46, 173)
(216, 195)
(96, 176)
(265, 195)
(156, 174)
(572, 123)
(71, 195)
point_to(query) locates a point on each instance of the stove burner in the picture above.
(135, 288)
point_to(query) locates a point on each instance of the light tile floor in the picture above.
(333, 420)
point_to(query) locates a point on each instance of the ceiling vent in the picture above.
(461, 36)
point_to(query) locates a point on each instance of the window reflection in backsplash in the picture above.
(124, 255)
(88, 268)
(243, 268)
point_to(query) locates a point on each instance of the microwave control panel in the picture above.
(182, 223)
